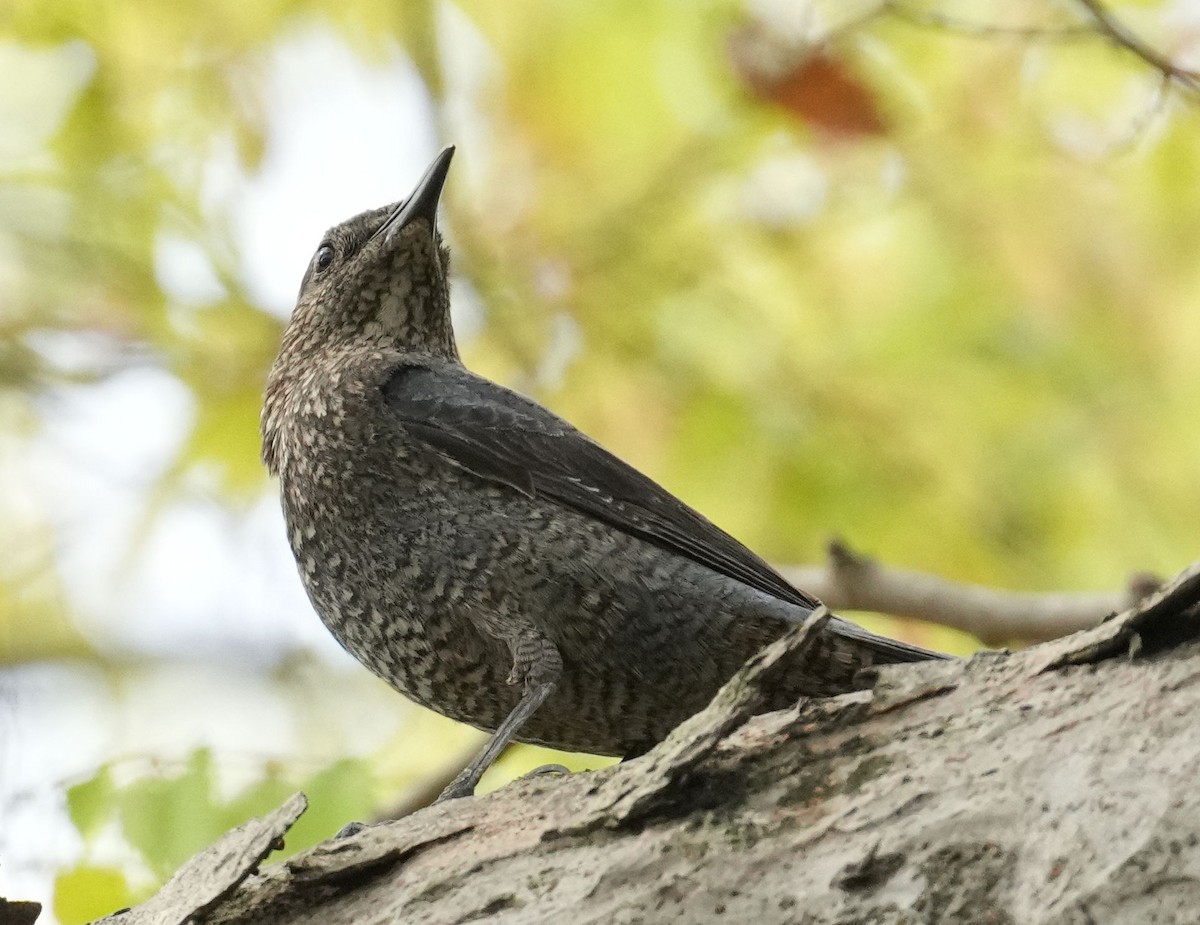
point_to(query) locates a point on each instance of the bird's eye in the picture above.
(324, 257)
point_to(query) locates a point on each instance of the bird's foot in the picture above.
(546, 770)
(461, 786)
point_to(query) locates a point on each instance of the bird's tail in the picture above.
(884, 651)
(838, 660)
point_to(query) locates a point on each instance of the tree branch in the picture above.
(1102, 22)
(1115, 30)
(852, 581)
(1054, 784)
(935, 19)
(18, 913)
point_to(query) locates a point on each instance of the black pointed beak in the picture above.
(423, 201)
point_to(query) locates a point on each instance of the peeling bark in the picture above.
(1053, 785)
(208, 879)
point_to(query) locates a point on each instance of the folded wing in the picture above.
(505, 438)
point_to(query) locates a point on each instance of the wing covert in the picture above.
(505, 438)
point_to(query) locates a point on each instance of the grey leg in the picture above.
(537, 665)
(464, 784)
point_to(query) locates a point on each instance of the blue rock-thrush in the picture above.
(479, 553)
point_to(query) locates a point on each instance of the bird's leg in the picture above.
(537, 665)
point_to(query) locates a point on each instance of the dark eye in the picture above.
(324, 257)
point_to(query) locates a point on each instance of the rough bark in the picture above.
(1048, 786)
(18, 912)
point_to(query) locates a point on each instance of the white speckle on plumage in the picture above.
(397, 471)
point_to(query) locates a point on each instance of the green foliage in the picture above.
(965, 340)
(1000, 273)
(168, 819)
(342, 792)
(165, 817)
(85, 893)
(92, 803)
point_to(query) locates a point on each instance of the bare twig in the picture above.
(937, 20)
(1115, 30)
(852, 581)
(1102, 22)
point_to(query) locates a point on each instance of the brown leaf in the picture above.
(816, 86)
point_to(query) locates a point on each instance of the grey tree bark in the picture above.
(1053, 785)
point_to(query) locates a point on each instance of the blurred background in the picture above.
(921, 275)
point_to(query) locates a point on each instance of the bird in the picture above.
(482, 555)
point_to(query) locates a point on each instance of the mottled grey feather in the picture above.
(482, 555)
(505, 438)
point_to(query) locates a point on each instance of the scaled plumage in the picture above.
(481, 554)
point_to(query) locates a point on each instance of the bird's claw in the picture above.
(546, 770)
(458, 788)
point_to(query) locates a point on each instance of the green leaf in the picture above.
(258, 798)
(343, 792)
(169, 819)
(85, 893)
(92, 803)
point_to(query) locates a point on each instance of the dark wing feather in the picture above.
(504, 437)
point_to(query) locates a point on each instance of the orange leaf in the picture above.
(816, 86)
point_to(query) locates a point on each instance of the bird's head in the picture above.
(380, 279)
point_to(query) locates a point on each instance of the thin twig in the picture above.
(937, 20)
(1110, 26)
(852, 581)
(1102, 23)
